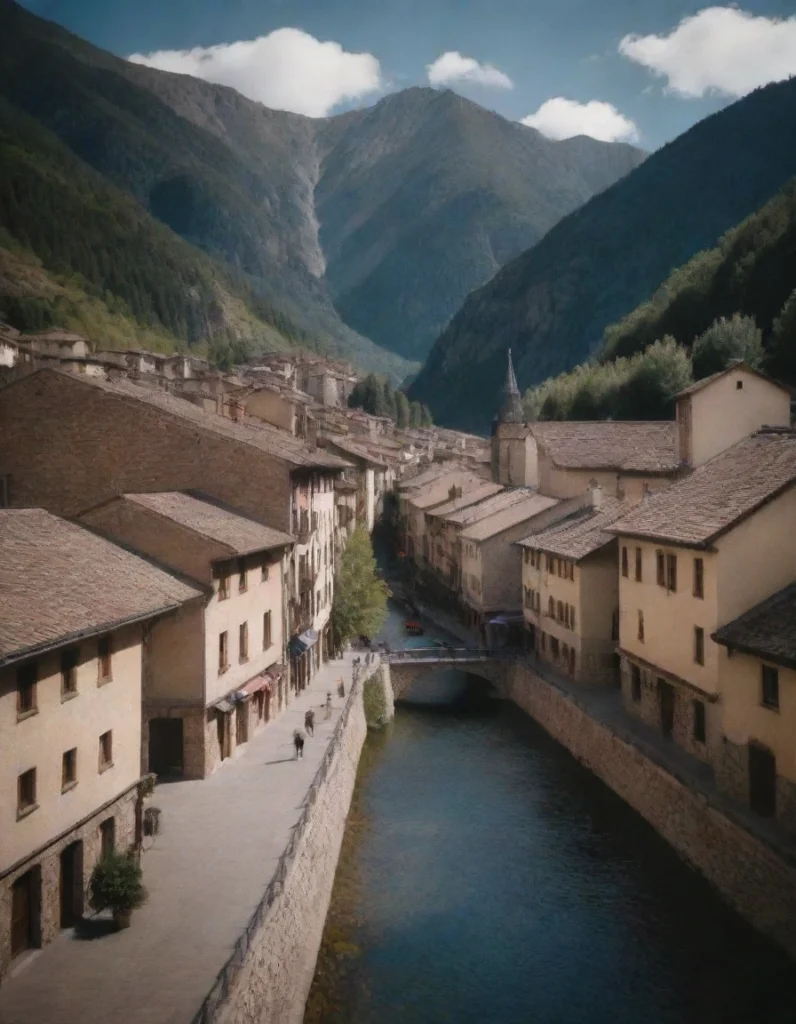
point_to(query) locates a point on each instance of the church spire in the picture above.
(511, 409)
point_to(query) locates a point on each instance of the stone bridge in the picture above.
(408, 665)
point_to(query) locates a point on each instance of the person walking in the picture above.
(298, 743)
(328, 705)
(341, 689)
(309, 722)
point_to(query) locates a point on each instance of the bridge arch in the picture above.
(409, 666)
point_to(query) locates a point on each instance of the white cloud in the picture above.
(718, 50)
(287, 69)
(560, 118)
(453, 67)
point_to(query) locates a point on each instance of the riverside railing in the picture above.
(225, 979)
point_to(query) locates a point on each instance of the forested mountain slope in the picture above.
(552, 304)
(371, 225)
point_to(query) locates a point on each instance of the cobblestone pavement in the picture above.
(220, 842)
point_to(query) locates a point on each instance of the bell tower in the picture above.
(508, 434)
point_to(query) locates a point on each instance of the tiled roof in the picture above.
(489, 506)
(218, 522)
(719, 493)
(437, 496)
(257, 435)
(732, 368)
(768, 629)
(59, 580)
(471, 496)
(634, 447)
(515, 514)
(433, 474)
(580, 533)
(358, 451)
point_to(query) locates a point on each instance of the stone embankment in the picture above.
(750, 874)
(268, 978)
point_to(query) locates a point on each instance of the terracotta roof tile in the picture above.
(489, 506)
(768, 629)
(719, 493)
(218, 522)
(634, 447)
(258, 435)
(580, 533)
(58, 580)
(471, 496)
(505, 519)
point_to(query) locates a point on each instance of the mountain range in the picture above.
(364, 231)
(552, 304)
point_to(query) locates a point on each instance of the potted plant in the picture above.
(116, 886)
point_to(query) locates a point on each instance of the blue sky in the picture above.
(617, 69)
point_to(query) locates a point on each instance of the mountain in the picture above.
(370, 226)
(552, 304)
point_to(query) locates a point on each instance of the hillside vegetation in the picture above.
(553, 303)
(735, 301)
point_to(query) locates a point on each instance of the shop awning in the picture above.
(224, 706)
(261, 682)
(299, 644)
(309, 638)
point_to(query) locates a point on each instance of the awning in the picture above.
(299, 644)
(510, 619)
(309, 638)
(261, 682)
(224, 706)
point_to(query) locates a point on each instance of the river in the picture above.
(488, 878)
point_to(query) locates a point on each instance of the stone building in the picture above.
(491, 569)
(72, 442)
(571, 588)
(76, 612)
(692, 559)
(757, 679)
(215, 673)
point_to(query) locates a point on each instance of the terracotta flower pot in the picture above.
(122, 918)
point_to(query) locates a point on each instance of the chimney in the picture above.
(595, 495)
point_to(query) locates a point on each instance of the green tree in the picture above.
(360, 596)
(403, 412)
(649, 392)
(783, 342)
(416, 418)
(738, 337)
(426, 419)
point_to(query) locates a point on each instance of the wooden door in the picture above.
(71, 894)
(666, 698)
(242, 723)
(22, 903)
(166, 746)
(762, 781)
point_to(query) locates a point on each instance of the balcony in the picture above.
(302, 526)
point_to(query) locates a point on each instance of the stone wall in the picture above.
(269, 977)
(378, 698)
(749, 874)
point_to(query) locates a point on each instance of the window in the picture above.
(641, 625)
(739, 385)
(266, 631)
(699, 578)
(624, 561)
(571, 616)
(242, 584)
(555, 648)
(104, 659)
(635, 683)
(26, 791)
(560, 611)
(660, 562)
(69, 769)
(223, 652)
(551, 608)
(264, 572)
(699, 645)
(699, 721)
(69, 661)
(27, 677)
(638, 565)
(544, 641)
(243, 642)
(770, 686)
(671, 573)
(107, 837)
(223, 587)
(106, 750)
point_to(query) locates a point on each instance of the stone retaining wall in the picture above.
(269, 976)
(749, 874)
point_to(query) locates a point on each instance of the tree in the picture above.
(403, 412)
(725, 340)
(783, 342)
(662, 372)
(416, 414)
(360, 596)
(426, 419)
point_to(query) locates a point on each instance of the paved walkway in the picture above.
(219, 846)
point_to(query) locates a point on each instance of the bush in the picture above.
(116, 884)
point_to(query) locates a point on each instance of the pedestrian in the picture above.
(341, 689)
(309, 721)
(328, 705)
(298, 743)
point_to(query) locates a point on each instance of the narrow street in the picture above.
(220, 843)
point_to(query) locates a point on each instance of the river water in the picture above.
(487, 878)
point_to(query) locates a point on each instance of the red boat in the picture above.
(414, 628)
